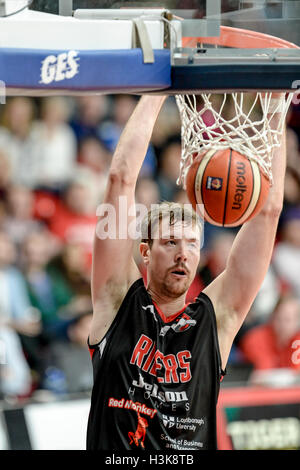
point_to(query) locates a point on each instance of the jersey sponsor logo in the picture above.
(181, 324)
(56, 68)
(185, 423)
(131, 405)
(136, 437)
(170, 368)
(180, 444)
(168, 421)
(152, 391)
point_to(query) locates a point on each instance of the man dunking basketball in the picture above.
(151, 352)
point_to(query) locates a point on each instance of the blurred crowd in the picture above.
(55, 154)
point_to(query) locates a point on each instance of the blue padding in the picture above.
(105, 70)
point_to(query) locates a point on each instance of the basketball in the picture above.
(231, 187)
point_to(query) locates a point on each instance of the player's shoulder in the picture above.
(203, 299)
(201, 304)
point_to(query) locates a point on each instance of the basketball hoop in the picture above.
(249, 123)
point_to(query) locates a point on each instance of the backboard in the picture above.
(202, 17)
(174, 46)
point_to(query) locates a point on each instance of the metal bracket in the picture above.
(2, 8)
(65, 7)
(141, 39)
(212, 56)
(196, 27)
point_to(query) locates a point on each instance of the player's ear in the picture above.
(145, 252)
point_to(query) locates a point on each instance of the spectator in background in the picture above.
(94, 161)
(47, 292)
(15, 374)
(181, 196)
(167, 125)
(216, 256)
(17, 140)
(5, 173)
(291, 194)
(20, 222)
(71, 355)
(291, 188)
(2, 214)
(292, 148)
(15, 305)
(90, 111)
(75, 216)
(110, 131)
(55, 148)
(270, 346)
(52, 293)
(293, 118)
(94, 155)
(168, 172)
(71, 263)
(286, 258)
(147, 192)
(17, 318)
(5, 180)
(264, 302)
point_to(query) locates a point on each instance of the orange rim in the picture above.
(241, 38)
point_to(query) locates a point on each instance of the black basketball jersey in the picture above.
(156, 379)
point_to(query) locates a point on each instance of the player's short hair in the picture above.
(174, 211)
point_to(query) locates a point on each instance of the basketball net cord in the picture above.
(252, 127)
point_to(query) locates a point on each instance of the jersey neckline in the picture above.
(171, 318)
(163, 317)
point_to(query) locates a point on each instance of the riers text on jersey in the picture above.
(175, 368)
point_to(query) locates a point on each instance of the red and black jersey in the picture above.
(156, 379)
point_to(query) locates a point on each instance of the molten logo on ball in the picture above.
(240, 185)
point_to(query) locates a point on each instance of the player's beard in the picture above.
(175, 288)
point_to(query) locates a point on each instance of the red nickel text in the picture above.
(149, 359)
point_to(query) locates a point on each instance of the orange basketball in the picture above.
(231, 187)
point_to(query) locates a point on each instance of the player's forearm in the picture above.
(263, 226)
(134, 141)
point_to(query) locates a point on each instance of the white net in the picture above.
(250, 123)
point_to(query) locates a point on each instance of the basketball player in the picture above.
(153, 354)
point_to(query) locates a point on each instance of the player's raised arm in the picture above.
(234, 291)
(113, 268)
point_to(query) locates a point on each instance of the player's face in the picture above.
(173, 258)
